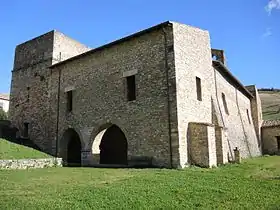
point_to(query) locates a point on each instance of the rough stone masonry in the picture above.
(161, 96)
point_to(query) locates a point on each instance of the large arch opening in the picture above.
(72, 155)
(111, 144)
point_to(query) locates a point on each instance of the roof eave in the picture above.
(113, 43)
(219, 65)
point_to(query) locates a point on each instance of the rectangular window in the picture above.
(248, 115)
(69, 96)
(1, 105)
(198, 89)
(278, 142)
(131, 88)
(25, 130)
(28, 90)
(225, 103)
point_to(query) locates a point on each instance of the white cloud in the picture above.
(272, 4)
(267, 33)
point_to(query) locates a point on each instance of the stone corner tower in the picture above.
(30, 109)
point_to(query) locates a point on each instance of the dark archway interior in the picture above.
(73, 148)
(113, 147)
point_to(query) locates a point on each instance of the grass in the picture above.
(254, 184)
(270, 104)
(9, 150)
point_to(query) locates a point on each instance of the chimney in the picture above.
(218, 55)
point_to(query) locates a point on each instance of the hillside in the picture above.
(270, 104)
(9, 150)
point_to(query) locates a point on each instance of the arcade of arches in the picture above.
(109, 147)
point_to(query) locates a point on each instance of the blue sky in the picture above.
(248, 30)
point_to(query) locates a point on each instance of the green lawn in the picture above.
(9, 150)
(254, 184)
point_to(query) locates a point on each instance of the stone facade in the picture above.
(271, 137)
(202, 147)
(30, 86)
(99, 97)
(236, 119)
(193, 60)
(178, 118)
(30, 163)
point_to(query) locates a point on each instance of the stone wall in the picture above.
(192, 59)
(269, 139)
(65, 47)
(221, 145)
(166, 62)
(240, 131)
(256, 109)
(98, 82)
(30, 163)
(30, 85)
(202, 147)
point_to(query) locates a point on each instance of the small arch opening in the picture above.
(110, 146)
(71, 152)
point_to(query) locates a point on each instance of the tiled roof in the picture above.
(270, 123)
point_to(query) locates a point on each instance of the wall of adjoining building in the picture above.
(193, 59)
(269, 140)
(238, 124)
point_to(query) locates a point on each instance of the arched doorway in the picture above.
(112, 145)
(73, 154)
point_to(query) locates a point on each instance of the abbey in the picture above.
(161, 95)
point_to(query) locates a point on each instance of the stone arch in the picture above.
(110, 145)
(70, 147)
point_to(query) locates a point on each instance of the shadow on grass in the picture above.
(10, 133)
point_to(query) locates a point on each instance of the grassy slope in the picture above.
(10, 150)
(270, 104)
(251, 185)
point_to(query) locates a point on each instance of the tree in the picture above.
(3, 115)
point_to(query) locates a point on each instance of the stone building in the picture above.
(161, 95)
(4, 102)
(271, 137)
